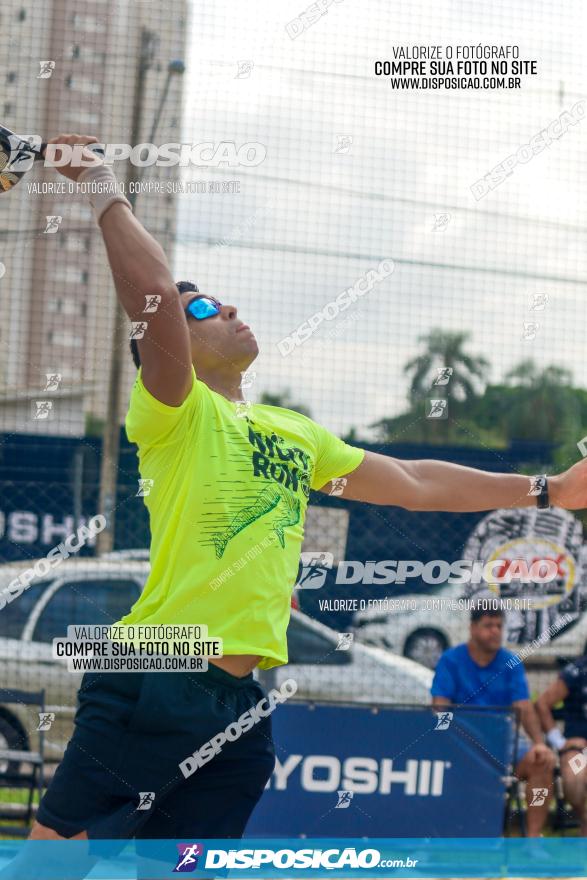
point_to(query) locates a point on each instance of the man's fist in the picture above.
(541, 754)
(569, 489)
(71, 157)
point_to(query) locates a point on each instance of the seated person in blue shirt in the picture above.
(482, 673)
(570, 688)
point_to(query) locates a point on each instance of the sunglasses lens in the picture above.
(203, 308)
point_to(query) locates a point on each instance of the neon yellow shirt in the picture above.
(226, 506)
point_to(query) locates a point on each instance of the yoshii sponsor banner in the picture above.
(395, 771)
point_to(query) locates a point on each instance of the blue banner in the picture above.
(321, 857)
(401, 772)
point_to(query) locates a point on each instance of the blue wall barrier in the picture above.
(409, 773)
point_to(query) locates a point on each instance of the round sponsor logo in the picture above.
(529, 542)
(527, 562)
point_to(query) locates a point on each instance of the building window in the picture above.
(84, 117)
(83, 84)
(7, 108)
(83, 309)
(50, 337)
(22, 14)
(70, 274)
(66, 339)
(87, 52)
(85, 277)
(11, 76)
(76, 244)
(88, 23)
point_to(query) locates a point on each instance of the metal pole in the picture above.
(111, 437)
(78, 475)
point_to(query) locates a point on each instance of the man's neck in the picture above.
(228, 385)
(479, 655)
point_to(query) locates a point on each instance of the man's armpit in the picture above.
(153, 423)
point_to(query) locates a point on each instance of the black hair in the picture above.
(486, 607)
(183, 287)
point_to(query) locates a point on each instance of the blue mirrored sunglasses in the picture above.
(203, 307)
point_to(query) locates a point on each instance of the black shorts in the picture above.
(132, 731)
(574, 729)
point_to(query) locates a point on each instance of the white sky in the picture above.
(321, 218)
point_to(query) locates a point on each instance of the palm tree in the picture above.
(445, 349)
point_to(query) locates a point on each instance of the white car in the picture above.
(421, 628)
(100, 591)
(77, 591)
(359, 674)
(411, 630)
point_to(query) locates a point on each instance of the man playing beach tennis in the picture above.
(229, 487)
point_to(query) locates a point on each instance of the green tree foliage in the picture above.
(283, 399)
(530, 403)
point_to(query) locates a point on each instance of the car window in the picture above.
(304, 645)
(85, 602)
(14, 615)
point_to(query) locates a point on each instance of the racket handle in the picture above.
(40, 151)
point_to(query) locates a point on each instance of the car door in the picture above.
(21, 664)
(314, 662)
(95, 600)
(17, 669)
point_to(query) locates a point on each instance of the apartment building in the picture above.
(56, 291)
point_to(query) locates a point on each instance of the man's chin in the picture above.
(252, 345)
(248, 351)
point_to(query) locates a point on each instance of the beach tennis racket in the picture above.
(18, 154)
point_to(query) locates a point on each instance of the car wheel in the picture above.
(11, 737)
(425, 646)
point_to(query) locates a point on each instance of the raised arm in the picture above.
(140, 269)
(440, 485)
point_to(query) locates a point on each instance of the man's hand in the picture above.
(87, 156)
(541, 755)
(569, 489)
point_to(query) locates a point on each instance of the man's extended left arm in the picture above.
(440, 485)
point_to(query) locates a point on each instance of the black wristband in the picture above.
(539, 488)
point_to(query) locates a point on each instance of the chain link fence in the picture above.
(415, 277)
